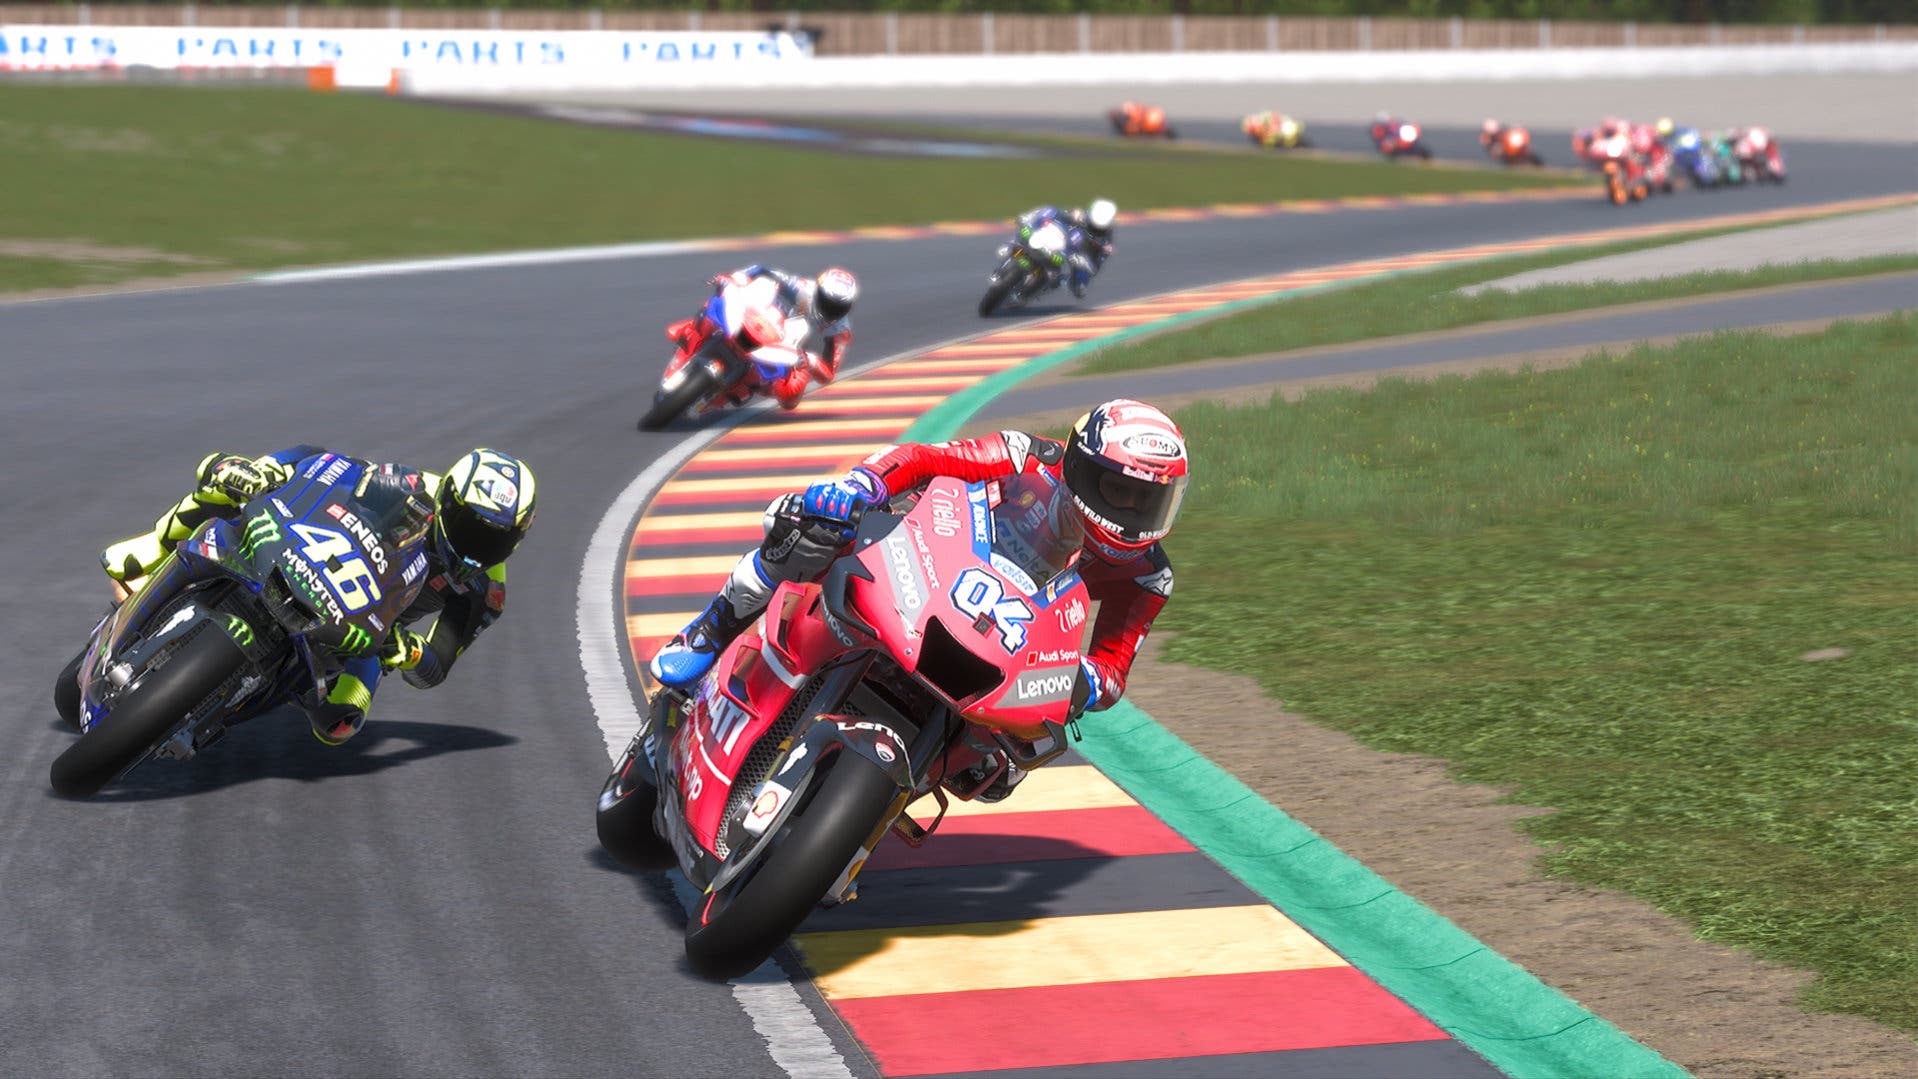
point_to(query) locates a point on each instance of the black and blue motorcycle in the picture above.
(244, 616)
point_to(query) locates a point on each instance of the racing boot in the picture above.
(792, 385)
(1081, 276)
(341, 715)
(686, 658)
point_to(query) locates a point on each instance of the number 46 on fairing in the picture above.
(353, 582)
(977, 592)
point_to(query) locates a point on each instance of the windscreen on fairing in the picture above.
(1036, 534)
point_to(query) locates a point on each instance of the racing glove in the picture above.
(237, 479)
(403, 650)
(839, 500)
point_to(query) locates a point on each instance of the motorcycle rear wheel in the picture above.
(668, 406)
(625, 823)
(810, 850)
(145, 714)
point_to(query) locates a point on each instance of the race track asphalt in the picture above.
(429, 900)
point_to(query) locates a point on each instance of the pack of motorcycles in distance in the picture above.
(1636, 159)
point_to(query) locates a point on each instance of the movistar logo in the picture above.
(260, 528)
(239, 630)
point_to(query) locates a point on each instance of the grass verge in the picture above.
(1430, 300)
(1596, 585)
(252, 178)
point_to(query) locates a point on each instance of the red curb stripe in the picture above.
(1107, 1022)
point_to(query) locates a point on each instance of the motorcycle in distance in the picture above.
(948, 631)
(1133, 119)
(1029, 267)
(1692, 155)
(1397, 138)
(1275, 131)
(1512, 146)
(1624, 170)
(243, 617)
(1759, 154)
(743, 340)
(1724, 150)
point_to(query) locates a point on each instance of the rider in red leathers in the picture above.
(1125, 465)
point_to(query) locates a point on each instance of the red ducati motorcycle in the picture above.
(742, 341)
(948, 634)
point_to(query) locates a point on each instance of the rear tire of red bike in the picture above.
(810, 851)
(669, 406)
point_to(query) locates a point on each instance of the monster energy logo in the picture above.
(239, 630)
(260, 528)
(355, 639)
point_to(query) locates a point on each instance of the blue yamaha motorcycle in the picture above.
(245, 616)
(1694, 155)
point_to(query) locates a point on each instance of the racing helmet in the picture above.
(1489, 128)
(1101, 215)
(1664, 127)
(485, 508)
(834, 293)
(1125, 465)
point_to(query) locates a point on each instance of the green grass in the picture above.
(1430, 300)
(255, 178)
(1594, 585)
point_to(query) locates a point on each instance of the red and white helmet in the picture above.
(835, 290)
(1126, 468)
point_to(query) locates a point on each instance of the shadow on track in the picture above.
(278, 745)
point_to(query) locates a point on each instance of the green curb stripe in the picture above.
(1522, 1026)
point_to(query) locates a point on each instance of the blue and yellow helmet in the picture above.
(485, 506)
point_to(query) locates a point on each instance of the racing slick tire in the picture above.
(624, 818)
(1002, 285)
(66, 691)
(147, 710)
(668, 406)
(810, 850)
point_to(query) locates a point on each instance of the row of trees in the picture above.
(1693, 11)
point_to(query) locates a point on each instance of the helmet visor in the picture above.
(472, 537)
(1137, 509)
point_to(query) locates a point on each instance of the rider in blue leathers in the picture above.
(1088, 230)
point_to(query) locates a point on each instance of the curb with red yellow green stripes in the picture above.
(1132, 915)
(1211, 212)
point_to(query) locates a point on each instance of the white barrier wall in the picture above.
(474, 58)
(1146, 69)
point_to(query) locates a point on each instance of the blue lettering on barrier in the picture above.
(711, 51)
(226, 45)
(486, 52)
(666, 51)
(446, 49)
(256, 47)
(552, 52)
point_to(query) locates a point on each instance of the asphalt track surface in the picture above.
(429, 900)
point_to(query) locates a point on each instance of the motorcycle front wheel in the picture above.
(670, 404)
(737, 928)
(996, 292)
(146, 713)
(624, 818)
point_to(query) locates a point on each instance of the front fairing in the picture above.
(946, 595)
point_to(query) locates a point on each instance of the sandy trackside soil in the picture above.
(1715, 1010)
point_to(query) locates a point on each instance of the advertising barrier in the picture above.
(369, 56)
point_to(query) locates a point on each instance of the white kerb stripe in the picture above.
(542, 257)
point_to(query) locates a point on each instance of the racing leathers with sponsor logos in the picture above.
(1125, 570)
(823, 302)
(482, 508)
(1089, 231)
